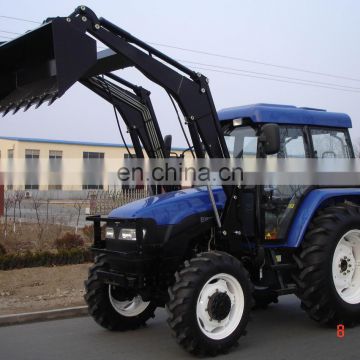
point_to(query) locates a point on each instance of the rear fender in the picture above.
(315, 200)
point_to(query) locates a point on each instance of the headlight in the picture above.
(127, 234)
(109, 233)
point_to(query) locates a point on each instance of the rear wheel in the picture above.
(329, 266)
(210, 303)
(113, 307)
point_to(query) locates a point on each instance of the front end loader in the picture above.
(207, 254)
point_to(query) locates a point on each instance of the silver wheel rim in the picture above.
(128, 308)
(220, 329)
(346, 267)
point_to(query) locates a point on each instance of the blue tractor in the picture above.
(209, 255)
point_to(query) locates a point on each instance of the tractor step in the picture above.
(281, 267)
(286, 291)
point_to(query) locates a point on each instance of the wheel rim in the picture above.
(220, 306)
(346, 267)
(128, 308)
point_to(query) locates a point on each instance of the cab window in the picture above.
(330, 143)
(292, 143)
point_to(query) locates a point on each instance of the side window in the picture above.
(329, 143)
(292, 144)
(241, 142)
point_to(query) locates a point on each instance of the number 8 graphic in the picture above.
(340, 331)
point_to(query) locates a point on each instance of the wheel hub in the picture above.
(346, 269)
(125, 303)
(345, 265)
(219, 306)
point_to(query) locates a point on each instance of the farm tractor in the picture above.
(209, 255)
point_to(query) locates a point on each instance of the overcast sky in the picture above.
(318, 36)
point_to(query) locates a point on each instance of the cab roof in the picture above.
(286, 114)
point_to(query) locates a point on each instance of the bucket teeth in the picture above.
(51, 101)
(18, 107)
(7, 110)
(42, 99)
(29, 104)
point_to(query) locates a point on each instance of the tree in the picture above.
(36, 204)
(8, 203)
(78, 205)
(19, 197)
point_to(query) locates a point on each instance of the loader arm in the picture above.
(136, 111)
(42, 64)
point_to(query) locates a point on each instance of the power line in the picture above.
(279, 78)
(272, 75)
(273, 79)
(10, 32)
(19, 19)
(6, 37)
(225, 56)
(255, 62)
(260, 75)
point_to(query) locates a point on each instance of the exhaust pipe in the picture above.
(42, 64)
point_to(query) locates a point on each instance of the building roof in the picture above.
(286, 114)
(70, 142)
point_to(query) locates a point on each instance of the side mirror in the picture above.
(167, 145)
(270, 138)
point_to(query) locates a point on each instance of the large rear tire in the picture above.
(210, 303)
(112, 307)
(328, 277)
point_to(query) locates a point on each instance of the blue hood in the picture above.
(171, 208)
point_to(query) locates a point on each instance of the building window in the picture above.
(55, 154)
(31, 187)
(55, 187)
(32, 154)
(93, 187)
(10, 153)
(93, 167)
(10, 187)
(55, 167)
(93, 155)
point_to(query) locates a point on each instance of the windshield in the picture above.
(241, 141)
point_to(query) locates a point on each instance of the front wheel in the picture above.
(210, 303)
(113, 307)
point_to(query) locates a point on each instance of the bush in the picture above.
(45, 258)
(2, 250)
(88, 231)
(69, 241)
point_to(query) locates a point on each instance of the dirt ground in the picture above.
(42, 288)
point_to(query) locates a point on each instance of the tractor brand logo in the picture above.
(205, 218)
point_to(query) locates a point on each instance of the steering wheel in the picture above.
(326, 154)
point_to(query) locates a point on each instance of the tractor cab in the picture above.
(302, 133)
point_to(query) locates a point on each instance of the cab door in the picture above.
(280, 201)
